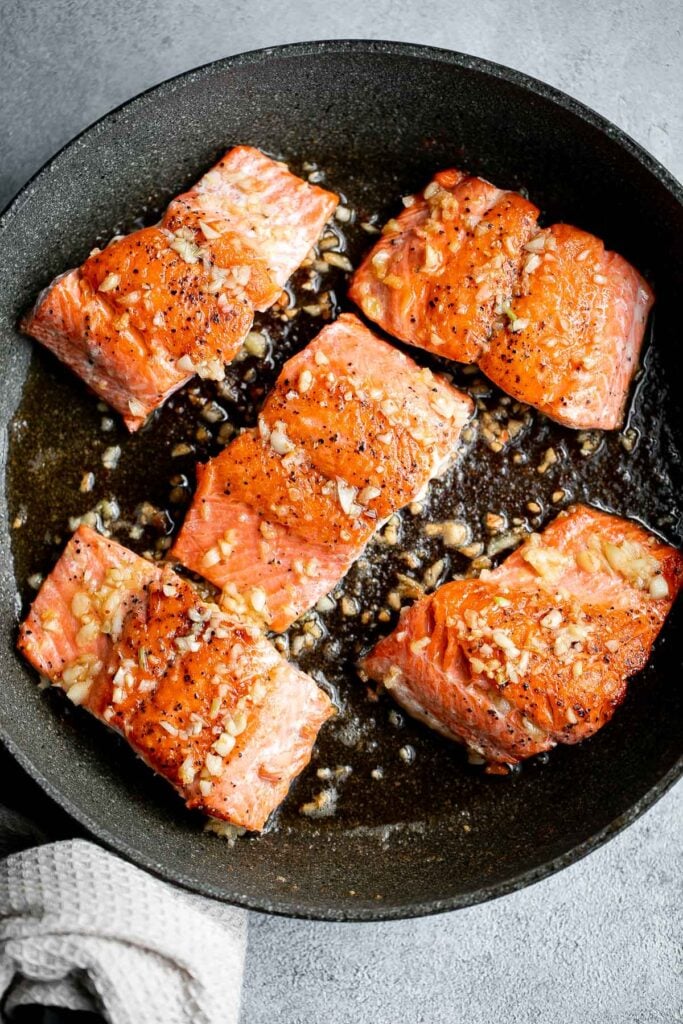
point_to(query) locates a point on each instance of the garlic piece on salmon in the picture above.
(279, 441)
(346, 494)
(110, 282)
(187, 250)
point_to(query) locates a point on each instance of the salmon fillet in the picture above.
(203, 698)
(537, 652)
(446, 267)
(550, 316)
(577, 325)
(155, 307)
(353, 431)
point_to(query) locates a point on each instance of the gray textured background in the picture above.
(599, 943)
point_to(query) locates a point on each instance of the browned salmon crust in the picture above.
(444, 267)
(576, 327)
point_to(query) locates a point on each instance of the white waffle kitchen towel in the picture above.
(82, 929)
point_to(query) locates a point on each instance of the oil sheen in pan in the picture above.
(70, 457)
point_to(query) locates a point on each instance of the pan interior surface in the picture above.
(431, 832)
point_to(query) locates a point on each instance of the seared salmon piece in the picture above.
(257, 199)
(577, 323)
(353, 431)
(445, 268)
(278, 481)
(155, 307)
(203, 698)
(539, 651)
(190, 289)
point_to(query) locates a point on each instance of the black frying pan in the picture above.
(433, 834)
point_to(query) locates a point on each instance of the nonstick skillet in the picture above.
(432, 833)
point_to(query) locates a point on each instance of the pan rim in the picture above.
(389, 47)
(297, 907)
(349, 914)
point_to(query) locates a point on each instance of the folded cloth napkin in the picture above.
(82, 929)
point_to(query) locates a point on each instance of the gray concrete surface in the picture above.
(601, 942)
